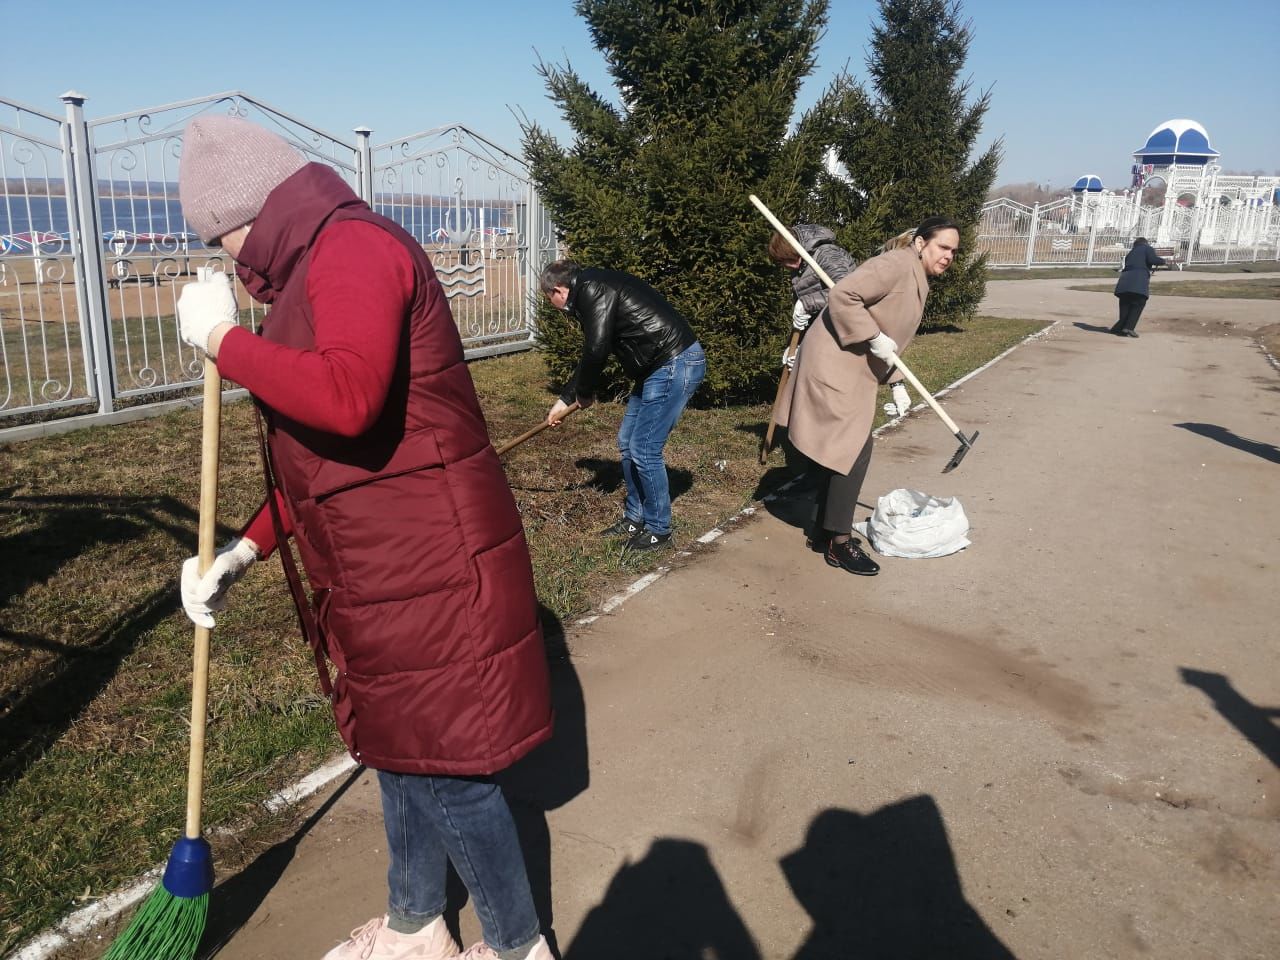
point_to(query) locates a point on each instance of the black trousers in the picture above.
(838, 496)
(1131, 305)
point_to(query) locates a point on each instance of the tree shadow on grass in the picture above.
(33, 717)
(1266, 451)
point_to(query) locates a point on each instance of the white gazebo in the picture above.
(1201, 204)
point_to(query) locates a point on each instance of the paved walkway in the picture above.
(1059, 743)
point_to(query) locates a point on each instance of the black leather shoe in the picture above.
(643, 540)
(1129, 333)
(849, 556)
(623, 528)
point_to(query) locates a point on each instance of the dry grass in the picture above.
(94, 679)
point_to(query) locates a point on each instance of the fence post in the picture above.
(364, 165)
(85, 238)
(1093, 236)
(1031, 234)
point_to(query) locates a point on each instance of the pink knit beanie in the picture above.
(227, 169)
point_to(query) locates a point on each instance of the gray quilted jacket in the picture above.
(820, 243)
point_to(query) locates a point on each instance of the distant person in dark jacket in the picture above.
(810, 291)
(623, 315)
(1134, 286)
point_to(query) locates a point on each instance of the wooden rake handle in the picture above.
(210, 433)
(529, 434)
(825, 278)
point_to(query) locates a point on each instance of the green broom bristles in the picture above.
(166, 927)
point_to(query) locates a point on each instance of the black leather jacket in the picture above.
(622, 315)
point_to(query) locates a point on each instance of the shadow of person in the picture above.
(1257, 724)
(670, 905)
(794, 466)
(552, 774)
(1267, 451)
(607, 477)
(1091, 327)
(234, 901)
(884, 886)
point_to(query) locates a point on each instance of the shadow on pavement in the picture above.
(1267, 451)
(1091, 327)
(1257, 724)
(671, 904)
(884, 886)
(234, 901)
(551, 775)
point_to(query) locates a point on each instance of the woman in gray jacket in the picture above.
(1134, 286)
(810, 292)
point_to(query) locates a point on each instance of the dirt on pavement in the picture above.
(1061, 742)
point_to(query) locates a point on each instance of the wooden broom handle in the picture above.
(210, 435)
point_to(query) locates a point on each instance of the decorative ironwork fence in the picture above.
(1070, 232)
(94, 247)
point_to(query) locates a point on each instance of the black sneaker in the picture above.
(849, 556)
(644, 539)
(623, 528)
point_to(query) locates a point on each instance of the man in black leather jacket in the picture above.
(623, 315)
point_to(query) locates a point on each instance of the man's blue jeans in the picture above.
(652, 412)
(466, 820)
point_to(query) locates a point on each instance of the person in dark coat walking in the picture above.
(658, 350)
(1134, 286)
(382, 472)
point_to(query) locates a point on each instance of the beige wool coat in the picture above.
(829, 403)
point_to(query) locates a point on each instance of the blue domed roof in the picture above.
(1177, 141)
(1090, 183)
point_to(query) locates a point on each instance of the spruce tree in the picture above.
(906, 147)
(656, 183)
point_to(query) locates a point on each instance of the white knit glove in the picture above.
(901, 399)
(204, 596)
(800, 316)
(882, 345)
(789, 358)
(203, 305)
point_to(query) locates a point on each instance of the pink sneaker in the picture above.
(376, 941)
(482, 951)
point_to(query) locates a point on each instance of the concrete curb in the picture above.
(82, 921)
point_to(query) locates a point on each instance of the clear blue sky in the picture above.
(1077, 86)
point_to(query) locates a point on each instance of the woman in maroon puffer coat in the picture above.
(422, 590)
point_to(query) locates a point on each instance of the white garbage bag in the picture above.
(908, 523)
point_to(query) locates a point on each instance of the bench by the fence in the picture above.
(1170, 255)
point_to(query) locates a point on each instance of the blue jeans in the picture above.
(652, 412)
(466, 820)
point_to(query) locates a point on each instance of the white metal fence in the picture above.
(94, 247)
(1064, 233)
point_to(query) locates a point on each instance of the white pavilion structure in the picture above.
(1202, 206)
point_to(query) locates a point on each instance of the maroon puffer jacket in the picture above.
(409, 534)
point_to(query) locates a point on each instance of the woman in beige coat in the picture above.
(830, 403)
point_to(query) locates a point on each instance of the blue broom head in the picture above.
(189, 872)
